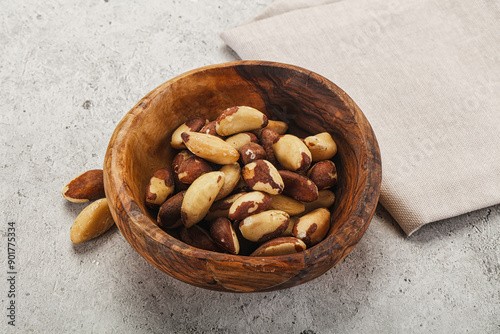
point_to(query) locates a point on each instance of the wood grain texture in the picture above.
(308, 103)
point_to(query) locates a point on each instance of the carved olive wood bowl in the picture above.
(309, 103)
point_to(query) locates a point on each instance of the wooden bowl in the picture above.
(309, 103)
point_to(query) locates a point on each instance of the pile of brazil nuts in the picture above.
(240, 184)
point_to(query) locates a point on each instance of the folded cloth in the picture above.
(426, 73)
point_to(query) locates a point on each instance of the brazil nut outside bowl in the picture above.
(309, 103)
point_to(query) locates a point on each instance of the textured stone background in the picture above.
(69, 71)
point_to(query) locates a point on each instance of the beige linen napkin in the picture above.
(426, 73)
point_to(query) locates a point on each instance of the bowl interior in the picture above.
(308, 103)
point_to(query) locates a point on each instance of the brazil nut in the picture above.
(169, 214)
(249, 204)
(92, 222)
(313, 226)
(209, 128)
(298, 186)
(265, 225)
(267, 139)
(287, 204)
(240, 119)
(192, 168)
(199, 197)
(292, 153)
(223, 234)
(240, 139)
(160, 187)
(277, 126)
(179, 158)
(323, 174)
(88, 186)
(322, 146)
(210, 148)
(251, 152)
(263, 176)
(280, 246)
(198, 237)
(232, 175)
(192, 125)
(326, 198)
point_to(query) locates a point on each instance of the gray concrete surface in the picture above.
(69, 71)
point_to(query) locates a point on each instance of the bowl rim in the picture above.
(363, 213)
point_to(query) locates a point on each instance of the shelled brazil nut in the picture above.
(245, 186)
(95, 219)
